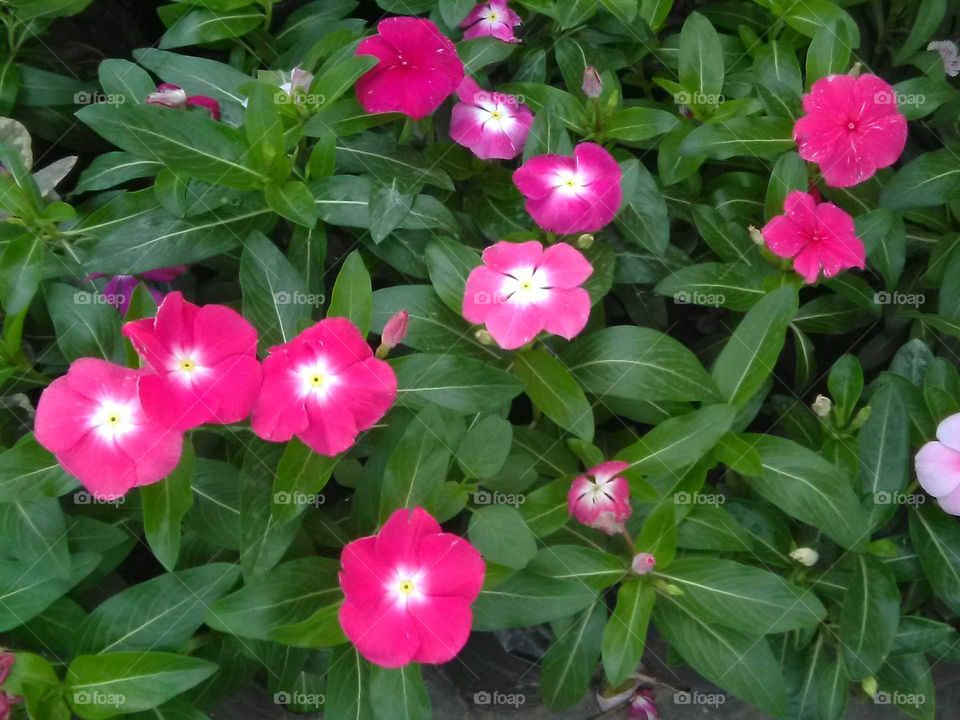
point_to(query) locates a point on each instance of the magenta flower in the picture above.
(91, 419)
(815, 236)
(325, 387)
(118, 290)
(601, 498)
(852, 128)
(418, 69)
(938, 465)
(173, 96)
(522, 290)
(491, 19)
(408, 591)
(203, 361)
(642, 706)
(579, 194)
(493, 125)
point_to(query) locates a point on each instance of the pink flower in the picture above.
(579, 194)
(7, 659)
(325, 387)
(815, 236)
(118, 290)
(494, 19)
(601, 498)
(643, 563)
(173, 96)
(493, 125)
(418, 69)
(522, 289)
(408, 591)
(938, 465)
(592, 85)
(852, 128)
(92, 420)
(204, 363)
(642, 706)
(949, 54)
(395, 331)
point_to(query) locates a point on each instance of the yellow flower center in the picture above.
(187, 365)
(316, 379)
(406, 587)
(526, 285)
(113, 419)
(492, 16)
(495, 115)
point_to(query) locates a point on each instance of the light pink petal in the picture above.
(567, 312)
(97, 379)
(155, 453)
(452, 565)
(478, 12)
(384, 634)
(938, 469)
(332, 428)
(466, 124)
(444, 627)
(481, 293)
(565, 214)
(566, 267)
(372, 391)
(467, 90)
(950, 504)
(495, 145)
(609, 469)
(506, 257)
(513, 325)
(536, 178)
(948, 432)
(400, 538)
(145, 341)
(596, 164)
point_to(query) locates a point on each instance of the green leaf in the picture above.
(701, 59)
(936, 537)
(679, 442)
(789, 173)
(884, 447)
(352, 295)
(736, 286)
(555, 392)
(28, 472)
(86, 325)
(454, 11)
(638, 124)
(755, 137)
(845, 383)
(460, 384)
(121, 78)
(529, 599)
(21, 269)
(418, 466)
(868, 620)
(751, 353)
(930, 14)
(114, 168)
(625, 635)
(570, 662)
(501, 536)
(931, 179)
(164, 505)
(196, 75)
(200, 27)
(293, 200)
(101, 686)
(275, 297)
(588, 565)
(348, 695)
(399, 694)
(485, 447)
(301, 475)
(548, 134)
(27, 589)
(35, 531)
(829, 51)
(642, 218)
(449, 263)
(264, 129)
(333, 82)
(389, 205)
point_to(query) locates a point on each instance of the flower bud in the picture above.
(592, 84)
(168, 95)
(642, 706)
(484, 337)
(6, 663)
(822, 406)
(805, 556)
(394, 333)
(585, 241)
(756, 236)
(870, 685)
(643, 563)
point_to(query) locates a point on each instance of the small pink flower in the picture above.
(852, 128)
(418, 69)
(815, 236)
(642, 706)
(601, 498)
(408, 591)
(522, 289)
(949, 54)
(395, 331)
(91, 419)
(491, 19)
(643, 563)
(592, 85)
(204, 363)
(173, 96)
(325, 387)
(7, 659)
(493, 125)
(118, 290)
(938, 465)
(579, 194)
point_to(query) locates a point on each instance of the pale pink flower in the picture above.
(522, 290)
(643, 563)
(938, 465)
(642, 706)
(592, 85)
(324, 386)
(91, 419)
(578, 194)
(173, 96)
(817, 237)
(418, 69)
(493, 125)
(491, 19)
(408, 591)
(949, 53)
(204, 363)
(601, 498)
(851, 129)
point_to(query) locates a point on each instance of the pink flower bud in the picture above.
(6, 663)
(592, 84)
(601, 498)
(643, 563)
(395, 330)
(642, 706)
(207, 103)
(168, 95)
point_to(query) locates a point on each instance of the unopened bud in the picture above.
(756, 235)
(870, 685)
(643, 563)
(484, 337)
(585, 241)
(860, 418)
(670, 589)
(592, 84)
(805, 556)
(394, 333)
(855, 70)
(642, 706)
(6, 663)
(168, 95)
(822, 406)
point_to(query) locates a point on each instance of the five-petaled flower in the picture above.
(571, 194)
(408, 591)
(938, 465)
(323, 386)
(851, 129)
(817, 237)
(523, 289)
(203, 361)
(491, 19)
(600, 498)
(493, 125)
(418, 69)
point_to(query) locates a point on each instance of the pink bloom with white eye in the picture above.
(92, 420)
(851, 129)
(642, 706)
(522, 290)
(949, 53)
(418, 69)
(408, 591)
(601, 498)
(204, 363)
(493, 125)
(938, 465)
(643, 563)
(578, 194)
(325, 387)
(817, 237)
(491, 19)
